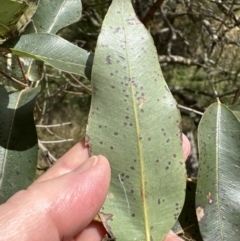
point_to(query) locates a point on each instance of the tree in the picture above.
(131, 108)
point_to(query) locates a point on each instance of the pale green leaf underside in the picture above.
(218, 192)
(18, 140)
(135, 123)
(56, 52)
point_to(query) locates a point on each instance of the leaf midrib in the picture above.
(140, 149)
(219, 113)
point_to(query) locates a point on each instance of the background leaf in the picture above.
(56, 52)
(218, 179)
(10, 13)
(51, 16)
(134, 122)
(18, 140)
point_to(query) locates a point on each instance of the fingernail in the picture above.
(87, 164)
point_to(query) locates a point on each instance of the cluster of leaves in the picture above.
(133, 118)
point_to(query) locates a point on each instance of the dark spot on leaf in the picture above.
(133, 215)
(108, 60)
(125, 123)
(132, 168)
(113, 87)
(115, 133)
(142, 110)
(167, 167)
(174, 155)
(149, 139)
(132, 191)
(127, 176)
(157, 160)
(100, 126)
(111, 74)
(101, 142)
(159, 201)
(167, 141)
(111, 147)
(126, 117)
(131, 124)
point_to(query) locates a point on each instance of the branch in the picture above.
(12, 79)
(151, 11)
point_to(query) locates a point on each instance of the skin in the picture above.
(61, 204)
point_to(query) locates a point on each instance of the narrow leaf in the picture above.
(218, 180)
(10, 13)
(56, 52)
(18, 140)
(134, 122)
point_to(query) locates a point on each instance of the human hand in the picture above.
(62, 203)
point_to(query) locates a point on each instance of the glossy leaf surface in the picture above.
(218, 193)
(18, 140)
(56, 52)
(134, 122)
(10, 13)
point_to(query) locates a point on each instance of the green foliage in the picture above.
(144, 150)
(18, 140)
(133, 118)
(10, 13)
(218, 174)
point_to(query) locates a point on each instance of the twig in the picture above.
(80, 83)
(55, 125)
(151, 11)
(189, 109)
(13, 79)
(46, 152)
(55, 141)
(72, 92)
(23, 74)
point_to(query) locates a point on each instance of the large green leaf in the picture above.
(18, 140)
(55, 51)
(51, 16)
(10, 13)
(134, 122)
(218, 193)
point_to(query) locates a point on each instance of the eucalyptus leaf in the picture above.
(10, 13)
(18, 140)
(54, 51)
(135, 123)
(51, 16)
(218, 193)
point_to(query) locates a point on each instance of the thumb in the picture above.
(59, 208)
